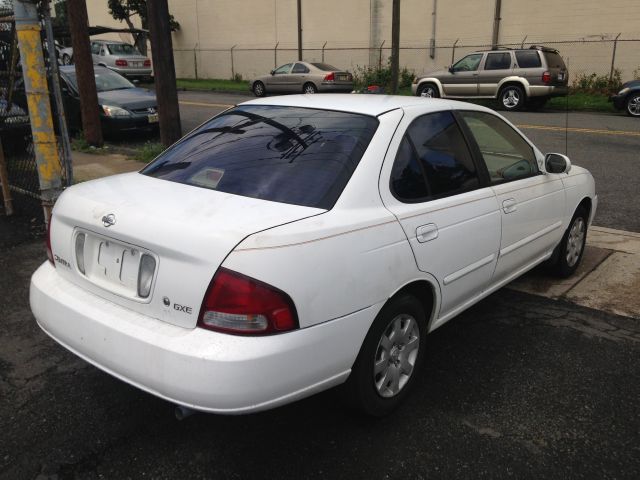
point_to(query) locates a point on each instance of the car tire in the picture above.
(309, 88)
(259, 90)
(66, 59)
(390, 358)
(633, 105)
(428, 90)
(568, 254)
(512, 98)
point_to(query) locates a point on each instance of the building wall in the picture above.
(353, 30)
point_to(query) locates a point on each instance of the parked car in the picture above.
(123, 106)
(628, 98)
(121, 57)
(517, 78)
(291, 244)
(303, 77)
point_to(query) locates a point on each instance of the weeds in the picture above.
(148, 152)
(597, 84)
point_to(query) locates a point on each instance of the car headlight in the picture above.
(624, 91)
(111, 111)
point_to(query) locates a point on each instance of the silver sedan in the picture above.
(303, 77)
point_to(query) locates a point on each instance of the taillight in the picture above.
(330, 77)
(242, 305)
(546, 77)
(49, 251)
(147, 63)
(121, 63)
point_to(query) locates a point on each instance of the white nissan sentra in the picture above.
(292, 244)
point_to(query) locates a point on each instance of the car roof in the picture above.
(366, 104)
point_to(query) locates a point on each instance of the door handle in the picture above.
(427, 232)
(509, 205)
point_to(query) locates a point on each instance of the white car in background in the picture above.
(296, 243)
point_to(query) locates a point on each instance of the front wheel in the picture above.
(569, 254)
(427, 90)
(512, 98)
(633, 105)
(390, 358)
(259, 90)
(309, 88)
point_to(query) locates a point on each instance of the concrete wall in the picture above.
(353, 31)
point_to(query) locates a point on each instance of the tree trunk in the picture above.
(164, 71)
(79, 26)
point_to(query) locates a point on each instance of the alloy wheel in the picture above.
(511, 98)
(396, 355)
(633, 106)
(575, 242)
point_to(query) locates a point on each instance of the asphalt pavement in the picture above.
(606, 144)
(518, 386)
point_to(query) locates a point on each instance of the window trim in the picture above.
(306, 69)
(486, 59)
(478, 152)
(480, 169)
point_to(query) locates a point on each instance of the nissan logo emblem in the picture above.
(109, 220)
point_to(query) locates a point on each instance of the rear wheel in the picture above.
(258, 89)
(390, 358)
(512, 98)
(633, 105)
(309, 88)
(569, 253)
(427, 90)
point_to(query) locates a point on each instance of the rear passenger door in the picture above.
(433, 186)
(497, 65)
(532, 202)
(297, 77)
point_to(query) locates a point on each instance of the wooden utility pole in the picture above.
(496, 24)
(79, 27)
(299, 30)
(395, 46)
(164, 71)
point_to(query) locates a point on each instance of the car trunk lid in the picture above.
(186, 230)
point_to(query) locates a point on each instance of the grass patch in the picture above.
(213, 84)
(80, 144)
(582, 102)
(148, 152)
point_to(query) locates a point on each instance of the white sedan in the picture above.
(292, 244)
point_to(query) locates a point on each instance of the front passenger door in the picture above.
(463, 78)
(532, 203)
(277, 82)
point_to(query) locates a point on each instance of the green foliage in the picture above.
(216, 85)
(123, 10)
(149, 151)
(79, 144)
(381, 76)
(598, 84)
(237, 77)
(636, 74)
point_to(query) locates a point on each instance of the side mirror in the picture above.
(451, 70)
(557, 163)
(271, 72)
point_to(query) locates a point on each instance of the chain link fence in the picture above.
(583, 57)
(17, 156)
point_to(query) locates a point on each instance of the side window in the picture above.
(507, 155)
(95, 48)
(283, 69)
(469, 63)
(299, 68)
(528, 59)
(498, 61)
(433, 160)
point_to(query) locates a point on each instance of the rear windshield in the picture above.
(528, 59)
(554, 60)
(291, 155)
(122, 49)
(325, 66)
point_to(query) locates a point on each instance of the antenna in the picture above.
(566, 116)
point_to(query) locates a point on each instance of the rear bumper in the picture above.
(548, 90)
(335, 87)
(132, 72)
(197, 368)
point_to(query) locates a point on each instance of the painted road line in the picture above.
(202, 104)
(622, 133)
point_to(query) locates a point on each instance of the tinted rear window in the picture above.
(291, 155)
(325, 66)
(554, 60)
(528, 59)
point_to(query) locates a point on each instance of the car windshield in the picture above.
(122, 49)
(106, 80)
(292, 155)
(325, 66)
